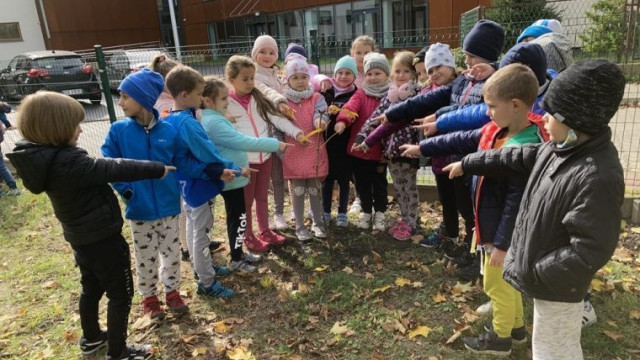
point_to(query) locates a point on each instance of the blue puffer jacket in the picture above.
(475, 116)
(158, 198)
(461, 91)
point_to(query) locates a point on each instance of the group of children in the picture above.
(542, 172)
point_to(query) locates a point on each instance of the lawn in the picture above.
(357, 295)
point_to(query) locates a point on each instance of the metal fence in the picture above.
(19, 77)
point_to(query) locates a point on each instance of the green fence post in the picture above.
(104, 78)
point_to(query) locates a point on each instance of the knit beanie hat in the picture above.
(420, 55)
(375, 60)
(144, 86)
(264, 42)
(586, 95)
(346, 62)
(296, 65)
(541, 27)
(295, 49)
(485, 40)
(439, 54)
(529, 54)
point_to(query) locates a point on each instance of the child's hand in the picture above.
(228, 175)
(302, 139)
(427, 124)
(360, 147)
(287, 111)
(325, 85)
(454, 169)
(232, 118)
(282, 146)
(410, 151)
(480, 72)
(382, 119)
(166, 170)
(427, 119)
(246, 171)
(497, 257)
(319, 124)
(339, 127)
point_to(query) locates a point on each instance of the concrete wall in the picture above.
(24, 12)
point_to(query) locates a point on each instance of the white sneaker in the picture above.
(356, 207)
(588, 315)
(14, 192)
(303, 235)
(378, 221)
(279, 223)
(485, 309)
(242, 267)
(319, 232)
(365, 221)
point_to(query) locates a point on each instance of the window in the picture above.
(10, 32)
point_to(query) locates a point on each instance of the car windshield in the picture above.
(58, 62)
(143, 57)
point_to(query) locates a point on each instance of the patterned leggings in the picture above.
(406, 190)
(153, 239)
(556, 330)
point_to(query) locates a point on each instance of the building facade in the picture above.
(19, 28)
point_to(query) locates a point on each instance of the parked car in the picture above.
(123, 62)
(55, 70)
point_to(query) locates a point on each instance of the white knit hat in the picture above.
(439, 54)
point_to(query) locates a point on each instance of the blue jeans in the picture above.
(6, 175)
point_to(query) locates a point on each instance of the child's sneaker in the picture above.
(485, 309)
(403, 233)
(89, 347)
(254, 244)
(356, 207)
(252, 258)
(133, 352)
(221, 270)
(270, 237)
(319, 232)
(327, 218)
(175, 302)
(453, 247)
(342, 220)
(399, 224)
(488, 343)
(431, 241)
(470, 272)
(364, 221)
(151, 307)
(279, 222)
(518, 335)
(588, 314)
(14, 192)
(303, 234)
(242, 267)
(215, 290)
(378, 221)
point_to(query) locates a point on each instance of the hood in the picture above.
(32, 162)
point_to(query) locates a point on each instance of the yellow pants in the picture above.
(506, 301)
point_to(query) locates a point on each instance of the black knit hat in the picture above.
(529, 54)
(485, 40)
(586, 95)
(420, 55)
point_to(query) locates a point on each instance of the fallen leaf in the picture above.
(381, 289)
(199, 351)
(438, 298)
(70, 336)
(240, 353)
(377, 357)
(613, 335)
(635, 230)
(420, 330)
(321, 268)
(376, 257)
(334, 296)
(220, 327)
(266, 282)
(188, 339)
(339, 328)
(368, 276)
(348, 270)
(50, 284)
(417, 284)
(635, 314)
(142, 323)
(596, 285)
(457, 334)
(470, 317)
(402, 282)
(416, 238)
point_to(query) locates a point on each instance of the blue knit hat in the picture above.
(531, 55)
(144, 86)
(485, 40)
(294, 48)
(346, 62)
(539, 28)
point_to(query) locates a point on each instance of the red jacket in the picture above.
(363, 105)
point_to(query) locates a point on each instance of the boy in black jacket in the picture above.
(49, 160)
(569, 220)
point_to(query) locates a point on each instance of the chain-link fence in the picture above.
(78, 75)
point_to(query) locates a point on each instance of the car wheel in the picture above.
(96, 99)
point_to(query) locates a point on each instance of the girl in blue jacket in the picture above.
(233, 145)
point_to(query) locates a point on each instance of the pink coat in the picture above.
(310, 160)
(364, 105)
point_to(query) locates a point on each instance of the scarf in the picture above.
(377, 91)
(401, 93)
(243, 100)
(337, 90)
(297, 96)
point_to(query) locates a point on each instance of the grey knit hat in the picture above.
(586, 95)
(375, 60)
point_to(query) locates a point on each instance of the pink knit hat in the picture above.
(296, 65)
(264, 42)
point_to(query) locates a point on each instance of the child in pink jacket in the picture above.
(369, 171)
(306, 165)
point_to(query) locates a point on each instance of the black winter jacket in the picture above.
(569, 220)
(78, 186)
(339, 162)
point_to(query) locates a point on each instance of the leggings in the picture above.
(258, 190)
(234, 205)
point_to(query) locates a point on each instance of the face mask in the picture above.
(569, 141)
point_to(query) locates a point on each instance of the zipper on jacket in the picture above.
(153, 188)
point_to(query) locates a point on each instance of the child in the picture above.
(49, 160)
(265, 54)
(369, 171)
(360, 47)
(569, 221)
(186, 86)
(420, 66)
(509, 94)
(305, 166)
(4, 172)
(233, 145)
(255, 116)
(162, 64)
(293, 48)
(403, 170)
(341, 90)
(548, 34)
(152, 206)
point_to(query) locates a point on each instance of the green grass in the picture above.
(287, 311)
